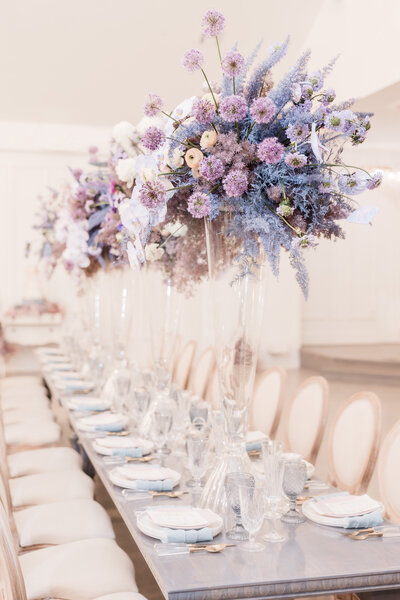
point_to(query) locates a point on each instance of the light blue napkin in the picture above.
(187, 536)
(76, 388)
(97, 407)
(372, 519)
(132, 452)
(109, 427)
(164, 485)
(253, 446)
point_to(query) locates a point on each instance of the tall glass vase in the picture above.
(237, 296)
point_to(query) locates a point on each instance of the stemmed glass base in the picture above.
(252, 546)
(274, 537)
(238, 533)
(293, 516)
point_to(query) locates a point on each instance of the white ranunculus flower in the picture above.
(146, 122)
(123, 133)
(177, 158)
(126, 170)
(153, 252)
(175, 228)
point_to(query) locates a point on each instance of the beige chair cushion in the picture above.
(17, 403)
(34, 433)
(78, 571)
(357, 416)
(43, 488)
(20, 381)
(62, 522)
(43, 460)
(21, 415)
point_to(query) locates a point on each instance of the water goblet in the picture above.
(252, 505)
(141, 403)
(162, 423)
(197, 449)
(198, 408)
(232, 482)
(273, 468)
(294, 478)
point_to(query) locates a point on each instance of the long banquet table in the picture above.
(313, 560)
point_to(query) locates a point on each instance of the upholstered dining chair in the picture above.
(84, 570)
(306, 418)
(183, 364)
(354, 441)
(267, 402)
(388, 473)
(213, 391)
(201, 373)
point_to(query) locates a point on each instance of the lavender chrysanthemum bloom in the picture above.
(329, 96)
(351, 184)
(153, 105)
(235, 183)
(270, 151)
(297, 132)
(296, 160)
(316, 80)
(232, 64)
(350, 122)
(153, 138)
(262, 110)
(203, 111)
(198, 205)
(233, 108)
(213, 23)
(375, 180)
(334, 121)
(326, 186)
(193, 60)
(152, 194)
(211, 168)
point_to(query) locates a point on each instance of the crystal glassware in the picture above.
(232, 482)
(141, 401)
(252, 505)
(294, 478)
(197, 449)
(273, 470)
(162, 423)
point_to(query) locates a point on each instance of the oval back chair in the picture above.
(267, 402)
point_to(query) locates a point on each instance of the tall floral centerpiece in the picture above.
(261, 163)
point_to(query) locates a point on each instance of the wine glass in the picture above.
(162, 423)
(273, 467)
(294, 478)
(252, 505)
(197, 449)
(232, 482)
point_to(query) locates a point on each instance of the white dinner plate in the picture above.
(89, 402)
(101, 419)
(146, 525)
(186, 517)
(313, 515)
(107, 445)
(121, 480)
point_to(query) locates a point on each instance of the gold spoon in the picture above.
(117, 432)
(364, 536)
(177, 494)
(213, 548)
(139, 458)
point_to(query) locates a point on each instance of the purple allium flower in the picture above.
(329, 96)
(375, 180)
(213, 23)
(262, 110)
(203, 110)
(153, 138)
(153, 105)
(233, 108)
(93, 150)
(285, 210)
(199, 205)
(235, 183)
(295, 160)
(270, 150)
(334, 121)
(152, 194)
(77, 173)
(193, 60)
(351, 184)
(211, 168)
(297, 132)
(316, 80)
(232, 64)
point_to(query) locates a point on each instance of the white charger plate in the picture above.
(130, 484)
(146, 525)
(145, 445)
(75, 402)
(313, 515)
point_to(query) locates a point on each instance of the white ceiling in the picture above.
(93, 61)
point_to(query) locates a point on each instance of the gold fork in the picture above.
(212, 548)
(177, 494)
(139, 458)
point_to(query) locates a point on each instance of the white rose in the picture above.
(148, 175)
(126, 170)
(176, 229)
(177, 158)
(123, 133)
(153, 252)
